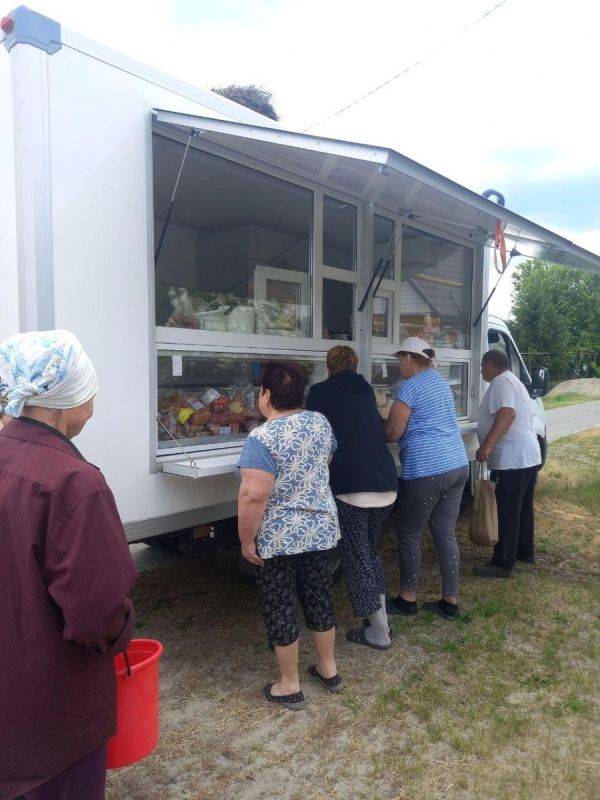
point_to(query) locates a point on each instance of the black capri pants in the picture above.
(306, 576)
(361, 530)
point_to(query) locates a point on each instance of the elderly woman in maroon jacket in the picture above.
(66, 572)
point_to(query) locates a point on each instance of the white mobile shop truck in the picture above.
(186, 241)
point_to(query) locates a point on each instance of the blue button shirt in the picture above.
(301, 515)
(432, 443)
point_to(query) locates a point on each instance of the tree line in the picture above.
(556, 318)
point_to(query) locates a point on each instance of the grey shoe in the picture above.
(491, 571)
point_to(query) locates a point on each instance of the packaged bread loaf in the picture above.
(200, 417)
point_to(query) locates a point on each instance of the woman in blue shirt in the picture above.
(287, 524)
(434, 471)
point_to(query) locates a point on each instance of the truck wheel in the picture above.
(168, 542)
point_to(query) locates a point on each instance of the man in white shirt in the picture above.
(507, 441)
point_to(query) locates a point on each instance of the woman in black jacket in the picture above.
(364, 481)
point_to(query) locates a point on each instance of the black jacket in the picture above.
(362, 461)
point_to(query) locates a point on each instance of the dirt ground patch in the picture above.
(503, 704)
(582, 386)
(569, 393)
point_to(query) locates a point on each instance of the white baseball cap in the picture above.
(418, 346)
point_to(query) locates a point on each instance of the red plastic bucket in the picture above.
(137, 703)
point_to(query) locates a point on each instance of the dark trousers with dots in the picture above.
(434, 499)
(514, 499)
(282, 579)
(361, 529)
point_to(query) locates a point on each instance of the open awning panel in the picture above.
(388, 178)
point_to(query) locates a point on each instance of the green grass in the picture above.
(501, 704)
(572, 471)
(567, 399)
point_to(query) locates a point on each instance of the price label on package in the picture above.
(177, 366)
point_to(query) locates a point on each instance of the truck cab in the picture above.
(500, 338)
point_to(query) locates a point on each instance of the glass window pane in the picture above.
(235, 239)
(385, 377)
(498, 340)
(339, 234)
(457, 377)
(212, 398)
(384, 243)
(435, 300)
(338, 310)
(380, 326)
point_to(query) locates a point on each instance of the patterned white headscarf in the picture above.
(45, 368)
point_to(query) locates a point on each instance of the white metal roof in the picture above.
(390, 179)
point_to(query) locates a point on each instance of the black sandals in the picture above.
(293, 702)
(442, 608)
(400, 606)
(357, 636)
(333, 684)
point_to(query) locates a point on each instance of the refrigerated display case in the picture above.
(385, 378)
(207, 399)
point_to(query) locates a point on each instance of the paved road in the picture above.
(572, 419)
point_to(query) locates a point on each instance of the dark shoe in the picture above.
(491, 571)
(442, 608)
(293, 702)
(357, 636)
(400, 606)
(526, 559)
(333, 684)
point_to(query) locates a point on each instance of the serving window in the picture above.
(244, 252)
(207, 398)
(386, 377)
(236, 252)
(340, 220)
(435, 298)
(339, 268)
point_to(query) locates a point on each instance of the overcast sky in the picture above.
(511, 104)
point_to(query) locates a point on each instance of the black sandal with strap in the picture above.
(292, 702)
(357, 636)
(334, 684)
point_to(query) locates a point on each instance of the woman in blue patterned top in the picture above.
(434, 471)
(287, 522)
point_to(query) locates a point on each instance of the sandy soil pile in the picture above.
(585, 386)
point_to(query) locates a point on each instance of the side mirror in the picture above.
(539, 382)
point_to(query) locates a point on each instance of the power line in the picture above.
(409, 68)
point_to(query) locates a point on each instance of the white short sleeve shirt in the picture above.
(519, 447)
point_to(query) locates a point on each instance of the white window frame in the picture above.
(390, 296)
(262, 274)
(387, 346)
(324, 271)
(242, 349)
(382, 350)
(317, 270)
